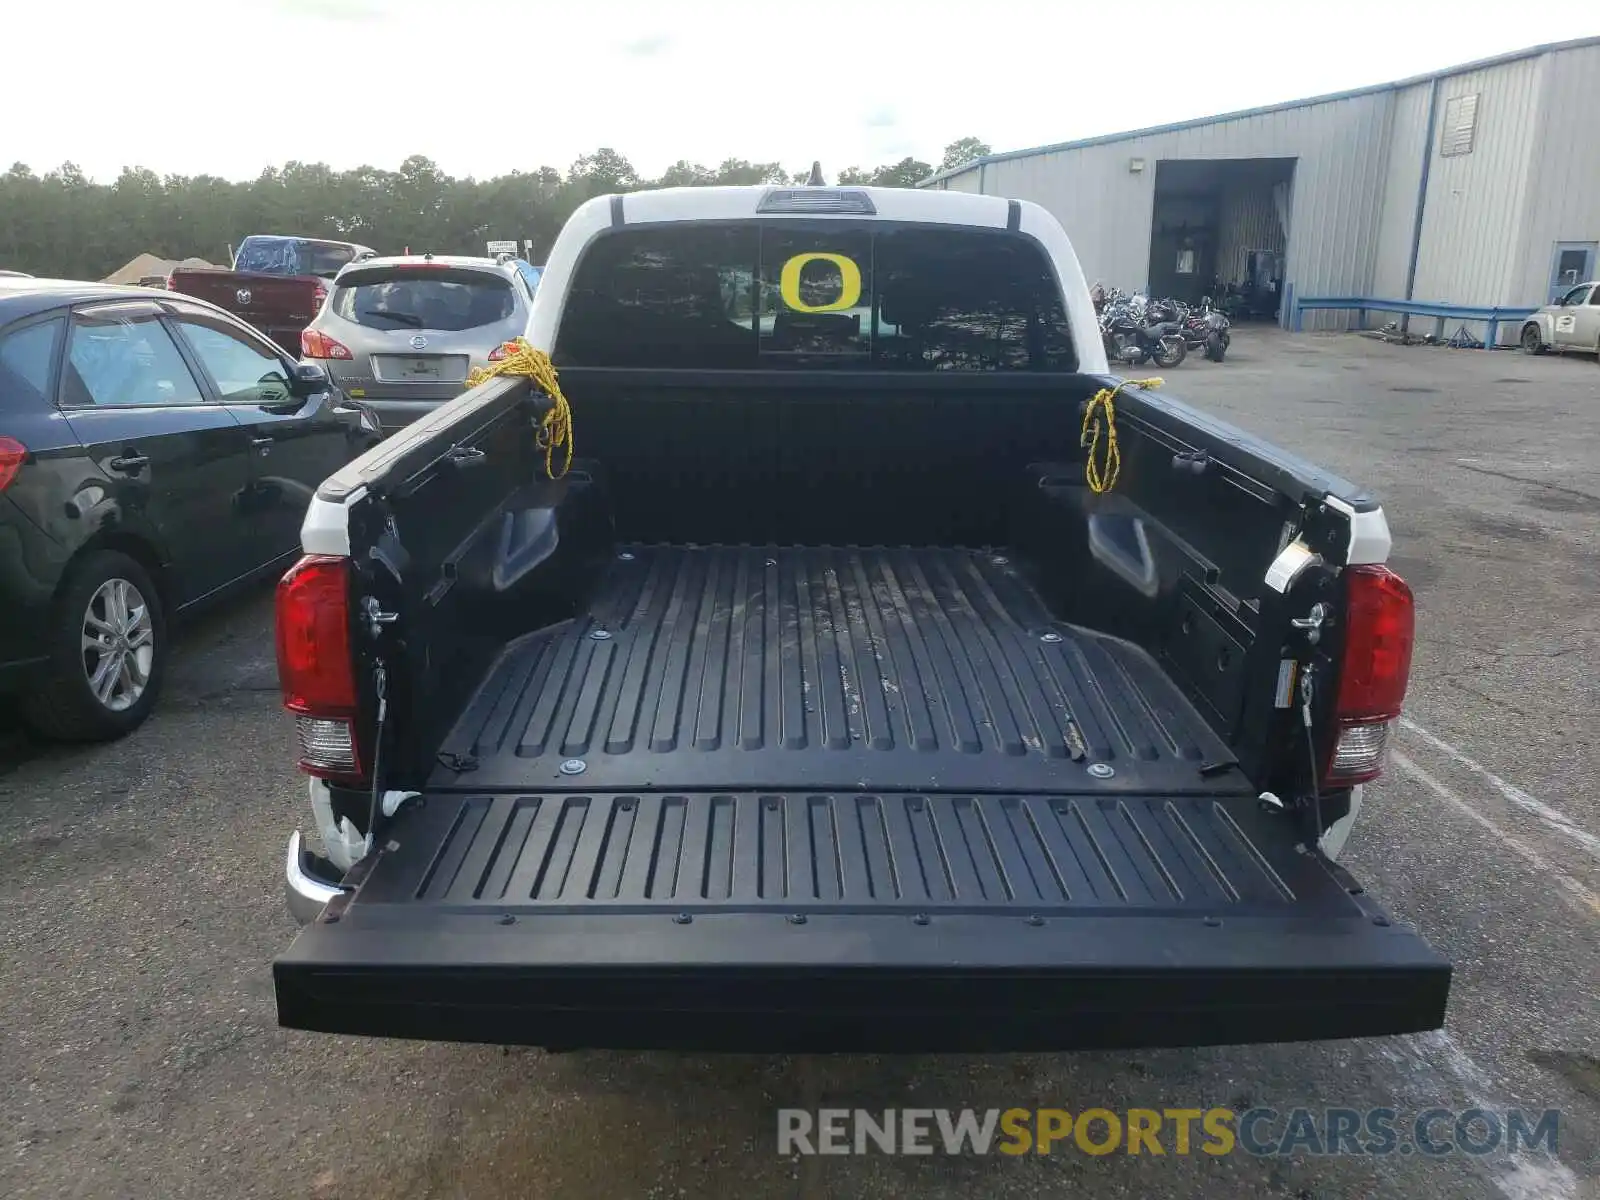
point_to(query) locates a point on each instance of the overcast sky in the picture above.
(226, 87)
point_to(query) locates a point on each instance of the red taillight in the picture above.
(498, 354)
(317, 297)
(1380, 628)
(12, 455)
(169, 284)
(314, 344)
(1380, 625)
(316, 672)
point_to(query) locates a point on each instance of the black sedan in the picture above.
(156, 454)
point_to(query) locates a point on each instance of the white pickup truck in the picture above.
(830, 700)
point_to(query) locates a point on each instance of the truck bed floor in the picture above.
(859, 669)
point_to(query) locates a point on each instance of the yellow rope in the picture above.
(1102, 411)
(556, 428)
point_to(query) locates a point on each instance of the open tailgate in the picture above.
(790, 922)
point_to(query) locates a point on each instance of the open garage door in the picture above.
(1220, 228)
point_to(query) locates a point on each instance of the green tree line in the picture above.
(64, 224)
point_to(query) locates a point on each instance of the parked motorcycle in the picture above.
(1212, 325)
(1206, 329)
(1131, 336)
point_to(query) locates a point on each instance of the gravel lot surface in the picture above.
(140, 900)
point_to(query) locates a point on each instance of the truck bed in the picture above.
(829, 668)
(841, 799)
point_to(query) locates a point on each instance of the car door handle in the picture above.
(129, 462)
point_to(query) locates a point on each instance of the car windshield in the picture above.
(292, 256)
(441, 298)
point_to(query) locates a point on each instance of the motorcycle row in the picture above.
(1137, 329)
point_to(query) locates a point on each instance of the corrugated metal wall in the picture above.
(1408, 137)
(1563, 194)
(1472, 224)
(1107, 209)
(1247, 219)
(1491, 221)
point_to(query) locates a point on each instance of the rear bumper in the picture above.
(759, 983)
(309, 882)
(31, 564)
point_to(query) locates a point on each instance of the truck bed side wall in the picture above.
(1172, 558)
(472, 553)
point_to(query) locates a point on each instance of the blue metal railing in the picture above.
(1491, 315)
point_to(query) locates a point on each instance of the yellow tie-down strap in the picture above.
(556, 428)
(1101, 467)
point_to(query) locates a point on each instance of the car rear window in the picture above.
(292, 256)
(797, 294)
(27, 357)
(423, 298)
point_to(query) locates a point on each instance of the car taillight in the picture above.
(12, 455)
(1380, 627)
(314, 344)
(316, 671)
(317, 297)
(169, 284)
(498, 354)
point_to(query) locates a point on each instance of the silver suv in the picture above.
(400, 334)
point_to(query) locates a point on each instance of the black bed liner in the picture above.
(768, 667)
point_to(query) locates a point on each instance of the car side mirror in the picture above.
(309, 379)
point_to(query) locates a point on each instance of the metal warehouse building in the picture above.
(1475, 186)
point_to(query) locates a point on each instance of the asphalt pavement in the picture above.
(140, 902)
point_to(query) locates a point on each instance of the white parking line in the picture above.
(1519, 1177)
(1514, 795)
(1587, 901)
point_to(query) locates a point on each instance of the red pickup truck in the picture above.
(277, 283)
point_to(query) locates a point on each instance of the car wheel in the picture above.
(108, 652)
(1532, 343)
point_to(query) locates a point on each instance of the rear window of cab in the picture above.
(791, 294)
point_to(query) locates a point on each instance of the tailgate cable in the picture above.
(383, 803)
(1311, 749)
(380, 684)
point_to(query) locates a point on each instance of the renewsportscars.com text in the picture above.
(1262, 1132)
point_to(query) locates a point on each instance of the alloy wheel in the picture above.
(118, 644)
